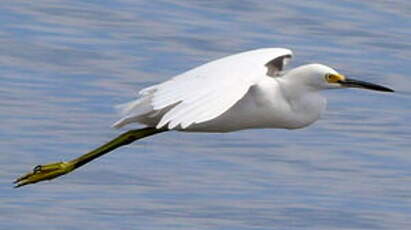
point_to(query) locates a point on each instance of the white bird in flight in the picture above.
(242, 91)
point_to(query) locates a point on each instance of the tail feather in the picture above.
(123, 121)
(126, 108)
(132, 110)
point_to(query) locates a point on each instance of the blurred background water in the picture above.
(65, 64)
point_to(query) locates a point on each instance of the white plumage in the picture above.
(242, 91)
(245, 90)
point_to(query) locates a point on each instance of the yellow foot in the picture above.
(44, 172)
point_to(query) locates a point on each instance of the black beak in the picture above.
(351, 83)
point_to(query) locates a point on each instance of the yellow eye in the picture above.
(333, 78)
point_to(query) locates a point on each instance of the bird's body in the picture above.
(224, 96)
(242, 91)
(265, 105)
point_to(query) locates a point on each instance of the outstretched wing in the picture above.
(206, 92)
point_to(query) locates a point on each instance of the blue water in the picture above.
(65, 64)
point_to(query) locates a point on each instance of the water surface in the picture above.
(65, 64)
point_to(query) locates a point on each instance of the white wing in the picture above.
(205, 92)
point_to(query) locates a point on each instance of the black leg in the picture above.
(53, 170)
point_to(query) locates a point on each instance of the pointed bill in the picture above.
(352, 83)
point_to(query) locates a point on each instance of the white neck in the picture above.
(306, 103)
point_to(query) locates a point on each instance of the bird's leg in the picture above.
(53, 170)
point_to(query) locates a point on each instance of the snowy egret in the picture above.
(242, 91)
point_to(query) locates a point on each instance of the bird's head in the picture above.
(318, 76)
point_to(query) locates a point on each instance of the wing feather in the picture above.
(205, 92)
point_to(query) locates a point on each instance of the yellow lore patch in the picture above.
(334, 78)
